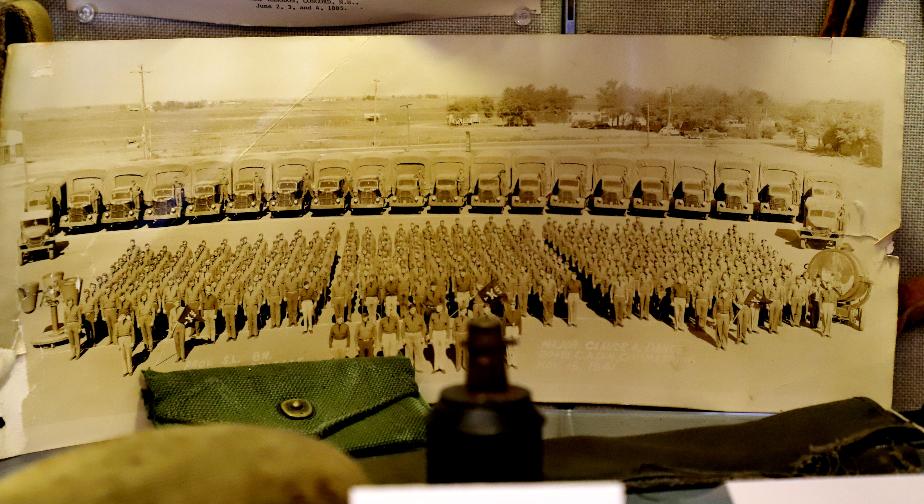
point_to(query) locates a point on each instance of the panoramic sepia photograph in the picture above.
(677, 221)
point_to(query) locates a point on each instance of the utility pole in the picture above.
(407, 109)
(145, 132)
(670, 104)
(375, 111)
(648, 123)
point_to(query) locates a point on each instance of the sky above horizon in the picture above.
(790, 69)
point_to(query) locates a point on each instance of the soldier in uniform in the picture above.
(798, 300)
(679, 294)
(722, 313)
(252, 303)
(829, 297)
(125, 335)
(439, 337)
(774, 307)
(209, 312)
(293, 300)
(307, 296)
(414, 338)
(339, 339)
(366, 337)
(273, 297)
(743, 316)
(573, 297)
(619, 296)
(460, 337)
(389, 328)
(645, 288)
(109, 303)
(94, 198)
(229, 306)
(72, 326)
(513, 324)
(144, 314)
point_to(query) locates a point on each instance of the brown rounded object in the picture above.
(226, 464)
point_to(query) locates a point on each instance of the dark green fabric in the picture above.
(361, 405)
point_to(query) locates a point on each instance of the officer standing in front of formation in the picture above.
(72, 326)
(178, 330)
(415, 338)
(439, 337)
(460, 337)
(366, 337)
(209, 312)
(125, 335)
(573, 293)
(721, 311)
(338, 340)
(390, 330)
(144, 314)
(513, 324)
(252, 302)
(229, 306)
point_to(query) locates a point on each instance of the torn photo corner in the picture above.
(306, 13)
(689, 222)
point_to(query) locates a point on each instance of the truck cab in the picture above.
(124, 195)
(693, 190)
(490, 179)
(572, 179)
(531, 173)
(735, 190)
(780, 191)
(292, 178)
(450, 180)
(412, 175)
(251, 187)
(165, 193)
(652, 193)
(331, 182)
(35, 234)
(823, 211)
(205, 199)
(84, 200)
(371, 187)
(614, 178)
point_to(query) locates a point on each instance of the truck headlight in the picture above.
(339, 200)
(173, 210)
(106, 215)
(678, 202)
(66, 218)
(273, 203)
(253, 203)
(721, 204)
(214, 206)
(764, 207)
(378, 199)
(131, 213)
(554, 197)
(90, 217)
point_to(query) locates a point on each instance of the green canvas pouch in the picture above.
(364, 406)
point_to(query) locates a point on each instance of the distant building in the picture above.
(11, 150)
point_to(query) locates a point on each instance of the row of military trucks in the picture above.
(528, 180)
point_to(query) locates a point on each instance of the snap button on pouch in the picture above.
(296, 408)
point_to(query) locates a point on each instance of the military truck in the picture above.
(372, 183)
(693, 189)
(292, 178)
(39, 221)
(123, 197)
(571, 180)
(531, 174)
(823, 211)
(412, 181)
(252, 187)
(780, 191)
(165, 193)
(210, 181)
(332, 174)
(450, 180)
(614, 178)
(491, 171)
(735, 188)
(84, 200)
(652, 192)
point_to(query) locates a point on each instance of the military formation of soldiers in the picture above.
(412, 292)
(186, 294)
(691, 277)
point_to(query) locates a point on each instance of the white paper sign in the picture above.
(842, 490)
(507, 493)
(307, 12)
